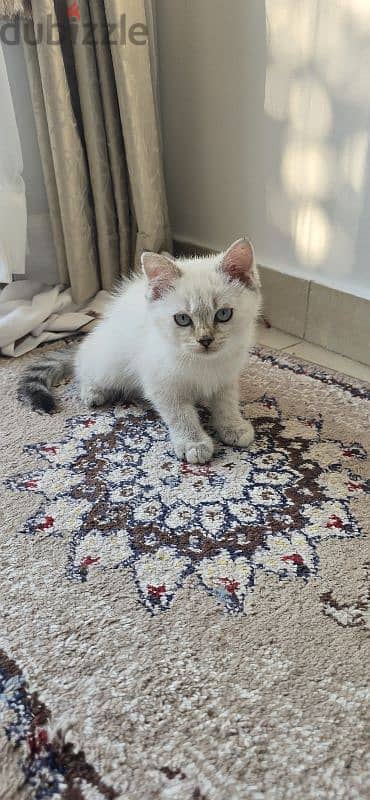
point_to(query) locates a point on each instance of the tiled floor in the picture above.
(311, 352)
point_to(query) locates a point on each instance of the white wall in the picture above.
(292, 168)
(41, 259)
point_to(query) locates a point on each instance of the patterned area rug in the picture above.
(180, 631)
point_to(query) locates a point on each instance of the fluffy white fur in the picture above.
(139, 349)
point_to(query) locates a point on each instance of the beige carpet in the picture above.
(179, 632)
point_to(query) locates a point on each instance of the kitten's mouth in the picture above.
(207, 351)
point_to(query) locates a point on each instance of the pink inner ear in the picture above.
(161, 282)
(161, 274)
(238, 262)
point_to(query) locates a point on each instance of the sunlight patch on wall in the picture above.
(359, 12)
(308, 170)
(318, 102)
(354, 159)
(293, 49)
(341, 51)
(332, 47)
(311, 231)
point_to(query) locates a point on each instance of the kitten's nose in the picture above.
(206, 341)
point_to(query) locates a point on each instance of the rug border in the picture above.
(300, 366)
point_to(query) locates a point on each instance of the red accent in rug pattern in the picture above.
(295, 558)
(353, 486)
(156, 591)
(89, 561)
(47, 524)
(230, 585)
(335, 522)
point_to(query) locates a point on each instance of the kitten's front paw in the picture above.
(194, 452)
(238, 436)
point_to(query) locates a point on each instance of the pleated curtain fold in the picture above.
(12, 8)
(93, 88)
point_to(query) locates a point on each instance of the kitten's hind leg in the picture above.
(94, 396)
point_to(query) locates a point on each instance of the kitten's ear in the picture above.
(238, 264)
(161, 273)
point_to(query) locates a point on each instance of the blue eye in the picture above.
(183, 320)
(223, 315)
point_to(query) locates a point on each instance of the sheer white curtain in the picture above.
(13, 213)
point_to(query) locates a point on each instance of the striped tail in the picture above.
(35, 385)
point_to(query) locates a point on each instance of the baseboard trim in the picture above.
(184, 248)
(316, 313)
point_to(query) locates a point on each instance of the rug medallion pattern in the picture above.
(114, 491)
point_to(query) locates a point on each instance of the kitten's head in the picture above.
(204, 306)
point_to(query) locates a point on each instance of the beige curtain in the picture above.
(10, 8)
(98, 131)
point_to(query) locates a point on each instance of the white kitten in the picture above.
(178, 335)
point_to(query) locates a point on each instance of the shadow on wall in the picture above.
(318, 114)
